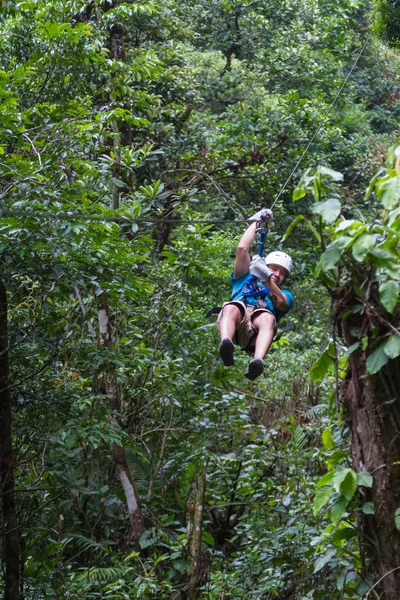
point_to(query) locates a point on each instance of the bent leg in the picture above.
(231, 316)
(264, 325)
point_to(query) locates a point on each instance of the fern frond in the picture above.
(85, 544)
(105, 574)
(318, 411)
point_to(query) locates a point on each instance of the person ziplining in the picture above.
(258, 301)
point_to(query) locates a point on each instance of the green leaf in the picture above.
(397, 518)
(345, 533)
(321, 498)
(349, 485)
(325, 479)
(339, 509)
(324, 560)
(383, 258)
(368, 508)
(133, 554)
(331, 256)
(346, 576)
(208, 538)
(344, 241)
(392, 346)
(327, 439)
(364, 478)
(299, 193)
(373, 182)
(377, 360)
(389, 294)
(323, 364)
(389, 192)
(340, 476)
(335, 175)
(336, 457)
(352, 348)
(329, 210)
(148, 538)
(363, 244)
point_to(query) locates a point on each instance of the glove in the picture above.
(259, 269)
(262, 215)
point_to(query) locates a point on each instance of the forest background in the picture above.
(135, 141)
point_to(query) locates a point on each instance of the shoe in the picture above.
(255, 369)
(226, 350)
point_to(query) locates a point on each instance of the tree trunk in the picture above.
(197, 566)
(118, 453)
(373, 405)
(10, 525)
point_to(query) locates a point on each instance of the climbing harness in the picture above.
(250, 289)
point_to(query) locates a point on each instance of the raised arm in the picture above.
(242, 261)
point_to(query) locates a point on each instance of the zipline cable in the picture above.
(324, 118)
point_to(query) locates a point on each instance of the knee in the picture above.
(232, 312)
(264, 321)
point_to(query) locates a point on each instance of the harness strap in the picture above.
(251, 282)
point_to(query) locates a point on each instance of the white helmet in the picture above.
(279, 258)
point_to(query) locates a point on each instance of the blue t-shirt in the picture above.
(237, 286)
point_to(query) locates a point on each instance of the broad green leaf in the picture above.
(363, 244)
(392, 346)
(327, 439)
(392, 217)
(148, 538)
(373, 182)
(336, 457)
(324, 560)
(389, 192)
(368, 508)
(397, 518)
(299, 193)
(349, 484)
(345, 224)
(208, 538)
(331, 256)
(377, 360)
(335, 175)
(352, 348)
(321, 366)
(329, 210)
(325, 479)
(383, 258)
(389, 294)
(325, 278)
(322, 497)
(344, 533)
(346, 576)
(364, 478)
(344, 241)
(339, 509)
(133, 554)
(339, 477)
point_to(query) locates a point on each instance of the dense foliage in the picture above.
(135, 139)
